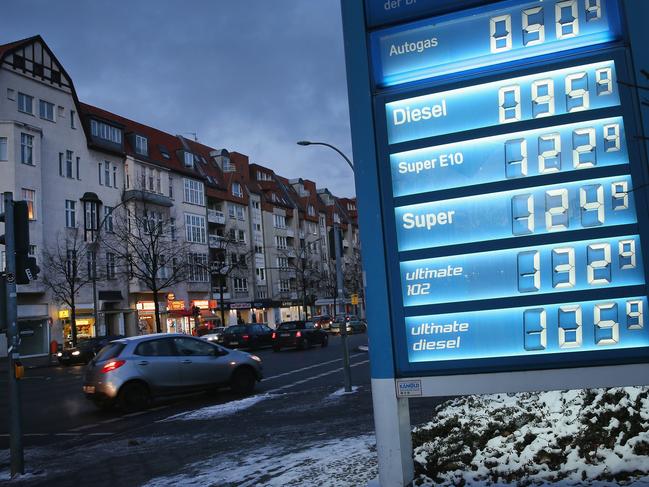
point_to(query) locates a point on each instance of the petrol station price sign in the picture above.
(513, 185)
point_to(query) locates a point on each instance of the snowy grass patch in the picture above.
(349, 462)
(586, 437)
(221, 410)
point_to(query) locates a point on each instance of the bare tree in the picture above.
(353, 276)
(67, 269)
(301, 265)
(145, 241)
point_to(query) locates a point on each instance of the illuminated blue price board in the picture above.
(531, 97)
(512, 183)
(534, 330)
(558, 268)
(431, 48)
(530, 211)
(510, 156)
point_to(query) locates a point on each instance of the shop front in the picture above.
(146, 323)
(85, 324)
(239, 313)
(290, 310)
(178, 317)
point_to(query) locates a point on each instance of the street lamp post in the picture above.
(339, 276)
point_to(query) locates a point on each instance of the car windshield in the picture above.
(235, 329)
(110, 351)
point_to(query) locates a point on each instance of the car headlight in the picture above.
(76, 352)
(255, 358)
(59, 354)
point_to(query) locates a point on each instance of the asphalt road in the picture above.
(295, 408)
(54, 407)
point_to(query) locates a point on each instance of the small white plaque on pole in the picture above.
(408, 387)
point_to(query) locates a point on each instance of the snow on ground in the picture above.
(221, 410)
(587, 437)
(341, 392)
(349, 462)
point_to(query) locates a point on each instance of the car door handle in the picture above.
(186, 361)
(143, 362)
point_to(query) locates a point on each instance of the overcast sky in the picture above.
(252, 76)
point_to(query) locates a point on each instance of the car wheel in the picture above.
(325, 341)
(134, 397)
(243, 381)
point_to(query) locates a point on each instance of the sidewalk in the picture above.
(30, 362)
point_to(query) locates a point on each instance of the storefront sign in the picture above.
(176, 305)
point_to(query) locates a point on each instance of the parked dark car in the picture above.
(299, 334)
(252, 336)
(324, 321)
(131, 372)
(85, 350)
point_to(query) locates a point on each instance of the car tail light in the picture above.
(274, 335)
(298, 334)
(245, 337)
(112, 365)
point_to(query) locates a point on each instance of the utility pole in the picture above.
(343, 326)
(13, 338)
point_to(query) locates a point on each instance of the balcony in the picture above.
(214, 216)
(214, 241)
(147, 197)
(290, 233)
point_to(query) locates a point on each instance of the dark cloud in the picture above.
(253, 76)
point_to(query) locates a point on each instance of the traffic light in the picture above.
(26, 268)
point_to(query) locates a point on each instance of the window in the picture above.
(61, 111)
(263, 176)
(255, 205)
(198, 267)
(91, 219)
(191, 346)
(240, 284)
(158, 181)
(313, 229)
(114, 176)
(240, 212)
(91, 263)
(279, 221)
(236, 190)
(61, 164)
(284, 286)
(195, 228)
(242, 236)
(71, 263)
(141, 145)
(282, 262)
(105, 131)
(46, 110)
(68, 164)
(3, 149)
(189, 159)
(108, 218)
(29, 195)
(259, 249)
(194, 192)
(311, 210)
(257, 227)
(27, 149)
(106, 173)
(78, 170)
(261, 273)
(73, 119)
(110, 265)
(70, 214)
(172, 228)
(164, 152)
(232, 210)
(281, 242)
(322, 221)
(171, 187)
(25, 103)
(156, 348)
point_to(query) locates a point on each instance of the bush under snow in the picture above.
(585, 437)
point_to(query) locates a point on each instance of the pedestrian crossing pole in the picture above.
(10, 318)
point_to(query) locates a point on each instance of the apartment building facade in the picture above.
(255, 244)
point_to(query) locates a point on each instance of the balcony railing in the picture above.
(214, 216)
(214, 241)
(290, 233)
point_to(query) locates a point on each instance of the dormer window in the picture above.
(164, 152)
(105, 131)
(311, 210)
(236, 190)
(141, 145)
(189, 159)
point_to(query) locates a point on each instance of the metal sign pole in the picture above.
(13, 342)
(343, 326)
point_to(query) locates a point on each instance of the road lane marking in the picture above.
(100, 434)
(106, 421)
(309, 367)
(131, 415)
(308, 379)
(84, 427)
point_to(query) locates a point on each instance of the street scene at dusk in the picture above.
(383, 243)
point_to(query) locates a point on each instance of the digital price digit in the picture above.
(598, 265)
(607, 319)
(533, 24)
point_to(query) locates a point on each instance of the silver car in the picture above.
(130, 372)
